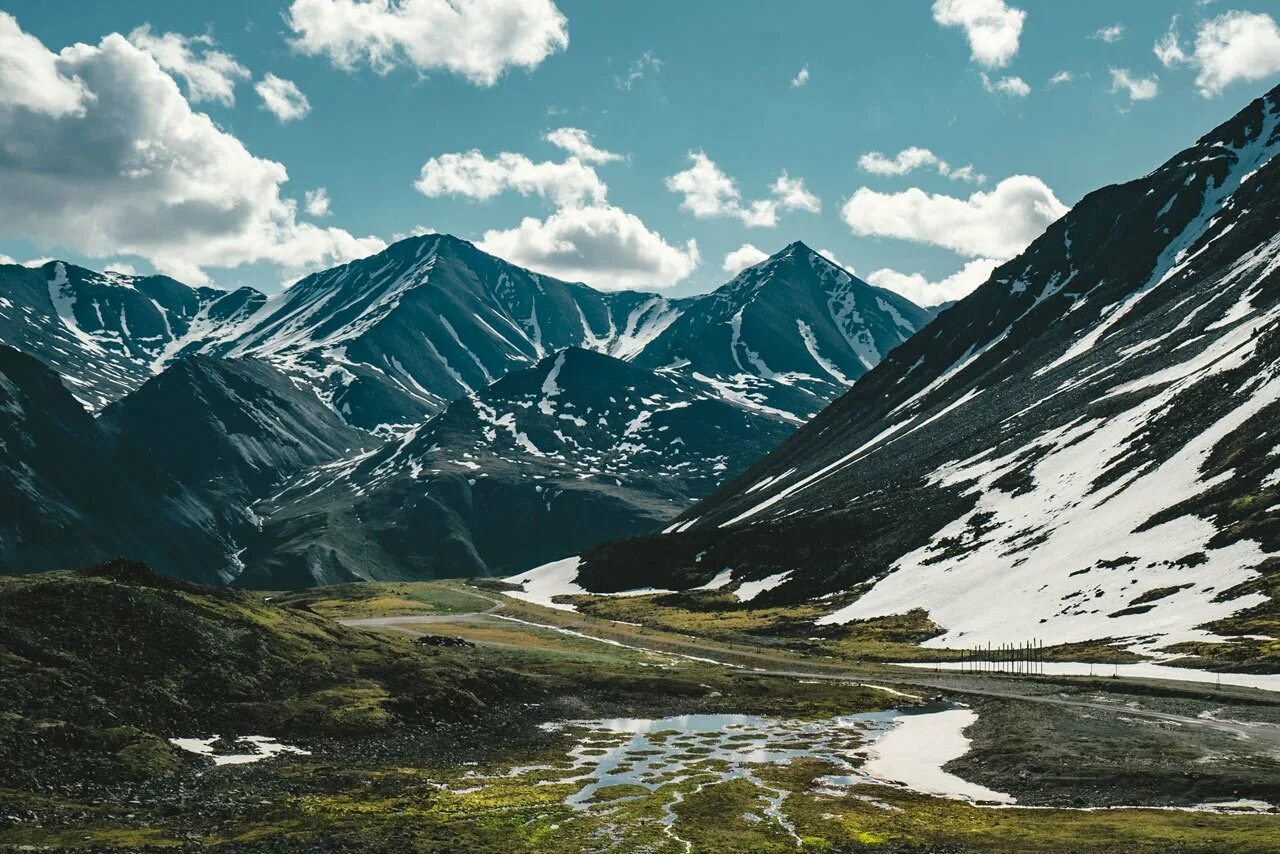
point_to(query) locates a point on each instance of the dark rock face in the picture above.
(542, 464)
(1097, 420)
(69, 495)
(166, 474)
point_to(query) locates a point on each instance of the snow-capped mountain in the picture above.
(394, 338)
(107, 333)
(390, 340)
(786, 335)
(545, 462)
(1084, 448)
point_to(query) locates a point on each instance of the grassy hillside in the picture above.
(95, 666)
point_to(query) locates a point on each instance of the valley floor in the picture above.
(647, 739)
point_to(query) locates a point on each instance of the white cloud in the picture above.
(317, 202)
(121, 267)
(800, 79)
(1168, 48)
(997, 224)
(478, 177)
(1014, 86)
(211, 76)
(152, 178)
(992, 28)
(7, 259)
(741, 258)
(599, 244)
(31, 78)
(1233, 46)
(792, 195)
(921, 291)
(577, 142)
(1061, 77)
(909, 159)
(416, 231)
(708, 192)
(831, 256)
(1138, 88)
(586, 238)
(641, 68)
(282, 98)
(479, 39)
(1111, 34)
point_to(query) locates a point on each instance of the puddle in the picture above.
(250, 748)
(619, 760)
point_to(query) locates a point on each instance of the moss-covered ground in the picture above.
(420, 749)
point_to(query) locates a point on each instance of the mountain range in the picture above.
(1083, 449)
(430, 410)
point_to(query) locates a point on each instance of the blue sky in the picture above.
(652, 82)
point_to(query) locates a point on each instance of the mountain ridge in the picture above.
(1107, 334)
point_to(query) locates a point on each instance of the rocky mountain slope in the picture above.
(167, 473)
(390, 340)
(547, 461)
(71, 495)
(229, 430)
(394, 338)
(1084, 448)
(107, 333)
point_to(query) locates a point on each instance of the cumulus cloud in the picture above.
(210, 75)
(282, 98)
(122, 267)
(478, 39)
(831, 256)
(317, 202)
(586, 238)
(416, 231)
(577, 142)
(741, 258)
(792, 195)
(151, 177)
(1111, 34)
(909, 159)
(997, 224)
(708, 192)
(475, 176)
(31, 79)
(921, 291)
(801, 78)
(1137, 88)
(1014, 86)
(1233, 46)
(599, 244)
(1061, 77)
(992, 27)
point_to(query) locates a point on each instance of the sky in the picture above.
(659, 145)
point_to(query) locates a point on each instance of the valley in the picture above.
(613, 736)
